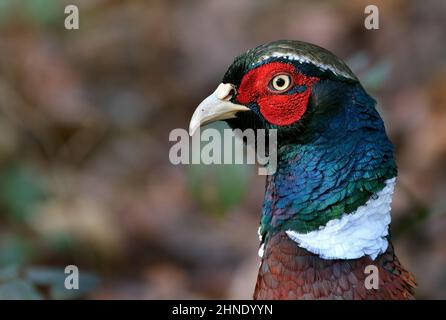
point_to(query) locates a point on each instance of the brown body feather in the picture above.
(290, 272)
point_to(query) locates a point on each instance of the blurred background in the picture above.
(85, 116)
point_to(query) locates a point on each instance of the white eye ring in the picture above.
(281, 82)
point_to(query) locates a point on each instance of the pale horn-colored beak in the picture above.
(216, 107)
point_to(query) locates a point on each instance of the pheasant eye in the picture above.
(280, 83)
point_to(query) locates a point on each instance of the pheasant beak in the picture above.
(216, 107)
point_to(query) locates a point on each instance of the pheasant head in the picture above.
(326, 210)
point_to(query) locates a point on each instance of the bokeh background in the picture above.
(85, 115)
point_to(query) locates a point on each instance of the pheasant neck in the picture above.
(340, 168)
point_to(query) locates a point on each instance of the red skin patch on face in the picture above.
(277, 108)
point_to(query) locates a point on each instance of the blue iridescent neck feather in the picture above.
(335, 164)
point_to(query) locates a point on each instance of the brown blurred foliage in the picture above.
(84, 121)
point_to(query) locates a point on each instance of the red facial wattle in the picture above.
(279, 108)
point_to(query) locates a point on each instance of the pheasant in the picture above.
(326, 211)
